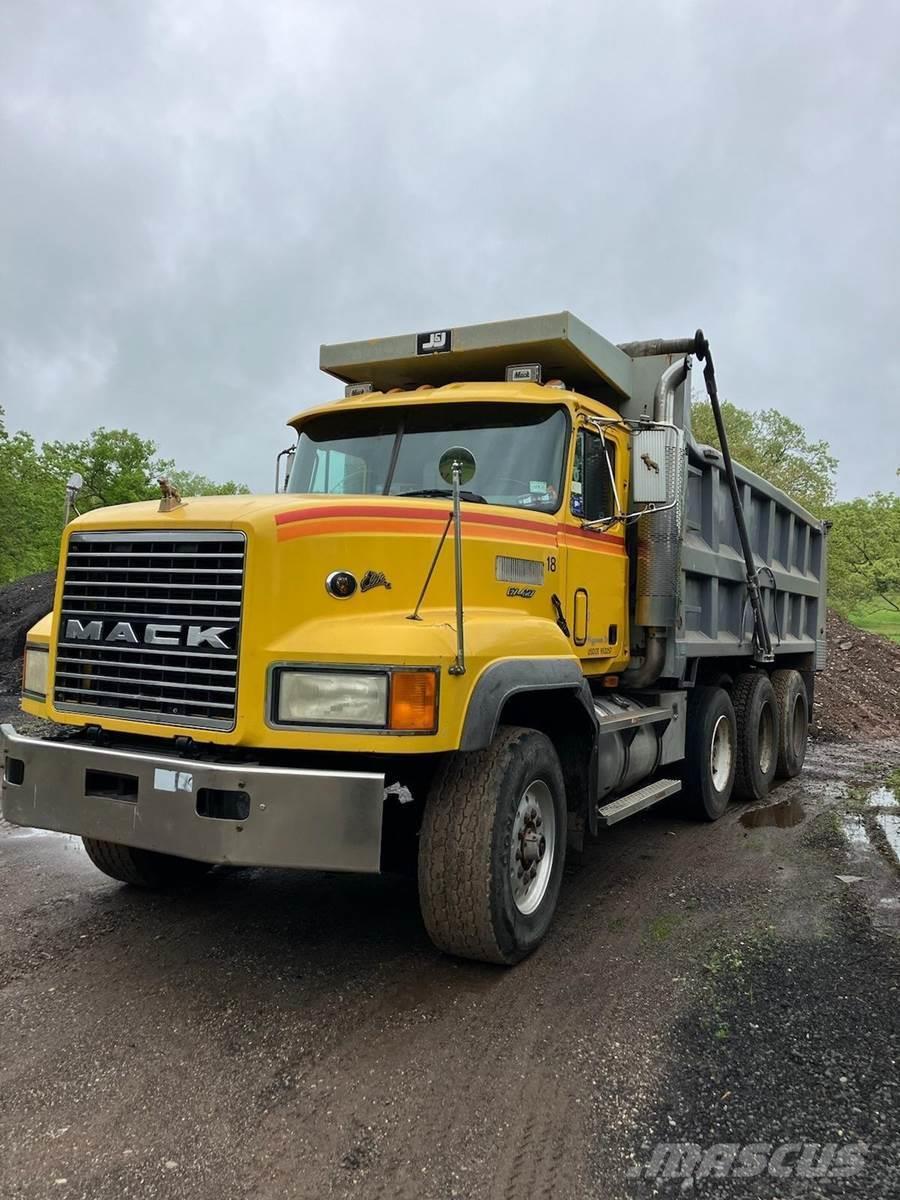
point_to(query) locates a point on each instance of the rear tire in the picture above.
(793, 722)
(143, 868)
(709, 753)
(492, 848)
(756, 711)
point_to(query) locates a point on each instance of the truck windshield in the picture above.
(518, 448)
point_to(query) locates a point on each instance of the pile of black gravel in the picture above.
(22, 603)
(790, 1042)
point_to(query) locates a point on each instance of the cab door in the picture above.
(596, 560)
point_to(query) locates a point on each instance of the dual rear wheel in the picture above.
(738, 743)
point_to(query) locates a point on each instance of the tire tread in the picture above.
(782, 683)
(142, 868)
(741, 691)
(742, 697)
(695, 773)
(455, 875)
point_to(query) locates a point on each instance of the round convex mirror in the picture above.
(467, 466)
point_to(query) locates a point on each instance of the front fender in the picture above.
(508, 677)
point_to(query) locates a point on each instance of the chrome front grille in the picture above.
(150, 626)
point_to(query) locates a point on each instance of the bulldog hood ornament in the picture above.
(171, 497)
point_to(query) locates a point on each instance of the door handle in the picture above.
(560, 615)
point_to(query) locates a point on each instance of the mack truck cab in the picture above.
(500, 600)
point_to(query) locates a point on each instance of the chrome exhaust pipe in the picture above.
(657, 553)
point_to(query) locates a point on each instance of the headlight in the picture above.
(36, 671)
(331, 698)
(404, 701)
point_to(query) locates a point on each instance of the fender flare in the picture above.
(501, 680)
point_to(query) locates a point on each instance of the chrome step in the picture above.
(629, 719)
(627, 806)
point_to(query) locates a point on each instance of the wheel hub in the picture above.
(533, 846)
(721, 753)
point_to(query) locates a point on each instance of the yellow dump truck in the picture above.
(500, 599)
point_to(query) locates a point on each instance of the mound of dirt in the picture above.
(858, 694)
(21, 604)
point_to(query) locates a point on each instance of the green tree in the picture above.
(776, 448)
(118, 467)
(189, 483)
(864, 553)
(32, 509)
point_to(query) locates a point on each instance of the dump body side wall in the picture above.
(714, 617)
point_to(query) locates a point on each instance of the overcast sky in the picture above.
(196, 194)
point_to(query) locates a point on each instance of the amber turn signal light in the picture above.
(414, 700)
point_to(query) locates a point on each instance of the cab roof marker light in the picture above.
(556, 383)
(524, 373)
(357, 389)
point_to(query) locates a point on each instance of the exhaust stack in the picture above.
(659, 540)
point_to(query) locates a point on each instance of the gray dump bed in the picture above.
(703, 590)
(789, 549)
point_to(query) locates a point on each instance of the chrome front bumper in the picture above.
(323, 820)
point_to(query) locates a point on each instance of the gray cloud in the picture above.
(197, 195)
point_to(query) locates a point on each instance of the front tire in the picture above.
(492, 848)
(143, 868)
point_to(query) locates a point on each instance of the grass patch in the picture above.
(729, 961)
(880, 620)
(661, 928)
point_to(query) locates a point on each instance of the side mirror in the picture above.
(287, 457)
(462, 459)
(73, 487)
(651, 463)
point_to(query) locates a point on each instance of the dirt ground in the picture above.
(278, 1034)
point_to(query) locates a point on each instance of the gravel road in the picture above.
(276, 1034)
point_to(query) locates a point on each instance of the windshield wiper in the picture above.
(435, 493)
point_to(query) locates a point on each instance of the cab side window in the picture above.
(593, 496)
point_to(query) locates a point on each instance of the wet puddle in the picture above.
(878, 825)
(854, 828)
(782, 816)
(890, 826)
(882, 797)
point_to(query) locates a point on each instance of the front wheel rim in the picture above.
(721, 753)
(533, 849)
